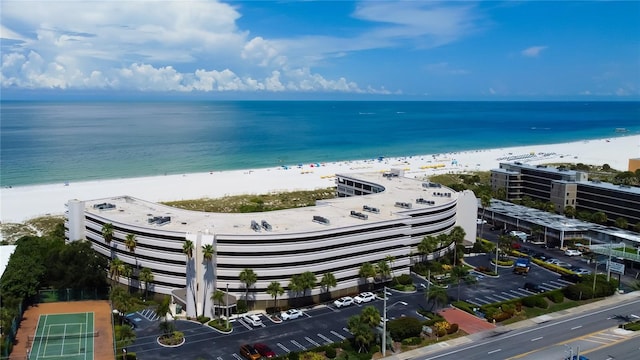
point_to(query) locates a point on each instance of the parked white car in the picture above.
(364, 297)
(253, 320)
(290, 314)
(571, 252)
(343, 301)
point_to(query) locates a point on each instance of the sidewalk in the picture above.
(614, 299)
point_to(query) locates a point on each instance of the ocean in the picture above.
(57, 142)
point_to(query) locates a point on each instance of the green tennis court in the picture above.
(63, 336)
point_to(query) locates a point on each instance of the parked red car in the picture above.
(264, 350)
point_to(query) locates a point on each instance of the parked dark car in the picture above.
(532, 287)
(249, 352)
(574, 278)
(264, 350)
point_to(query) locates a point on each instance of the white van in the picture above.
(519, 234)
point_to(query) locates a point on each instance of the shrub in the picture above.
(330, 353)
(241, 306)
(529, 301)
(556, 296)
(404, 279)
(203, 319)
(463, 305)
(453, 328)
(404, 327)
(416, 340)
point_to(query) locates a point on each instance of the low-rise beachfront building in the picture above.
(387, 221)
(563, 187)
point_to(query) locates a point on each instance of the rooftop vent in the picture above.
(403, 205)
(159, 220)
(321, 220)
(266, 225)
(104, 206)
(359, 215)
(370, 209)
(255, 226)
(425, 202)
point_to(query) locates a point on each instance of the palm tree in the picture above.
(147, 276)
(599, 218)
(383, 269)
(328, 281)
(370, 316)
(308, 281)
(570, 211)
(207, 256)
(127, 271)
(217, 297)
(248, 277)
(457, 235)
(427, 245)
(363, 334)
(295, 285)
(485, 202)
(622, 223)
(107, 232)
(391, 260)
(458, 273)
(366, 271)
(130, 242)
(116, 268)
(437, 295)
(187, 249)
(275, 289)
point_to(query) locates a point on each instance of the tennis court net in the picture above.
(33, 338)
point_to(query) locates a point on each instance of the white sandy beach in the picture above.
(22, 203)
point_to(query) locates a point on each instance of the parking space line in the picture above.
(484, 302)
(338, 335)
(311, 341)
(298, 344)
(473, 302)
(283, 348)
(244, 324)
(326, 339)
(519, 293)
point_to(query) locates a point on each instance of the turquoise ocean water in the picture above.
(47, 142)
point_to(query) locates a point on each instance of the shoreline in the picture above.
(21, 203)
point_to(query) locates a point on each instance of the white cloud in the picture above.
(140, 45)
(533, 51)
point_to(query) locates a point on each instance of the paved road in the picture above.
(589, 327)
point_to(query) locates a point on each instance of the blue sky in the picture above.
(415, 50)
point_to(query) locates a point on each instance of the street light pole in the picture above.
(227, 304)
(384, 322)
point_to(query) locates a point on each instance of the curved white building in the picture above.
(375, 215)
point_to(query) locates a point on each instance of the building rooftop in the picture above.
(337, 212)
(557, 221)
